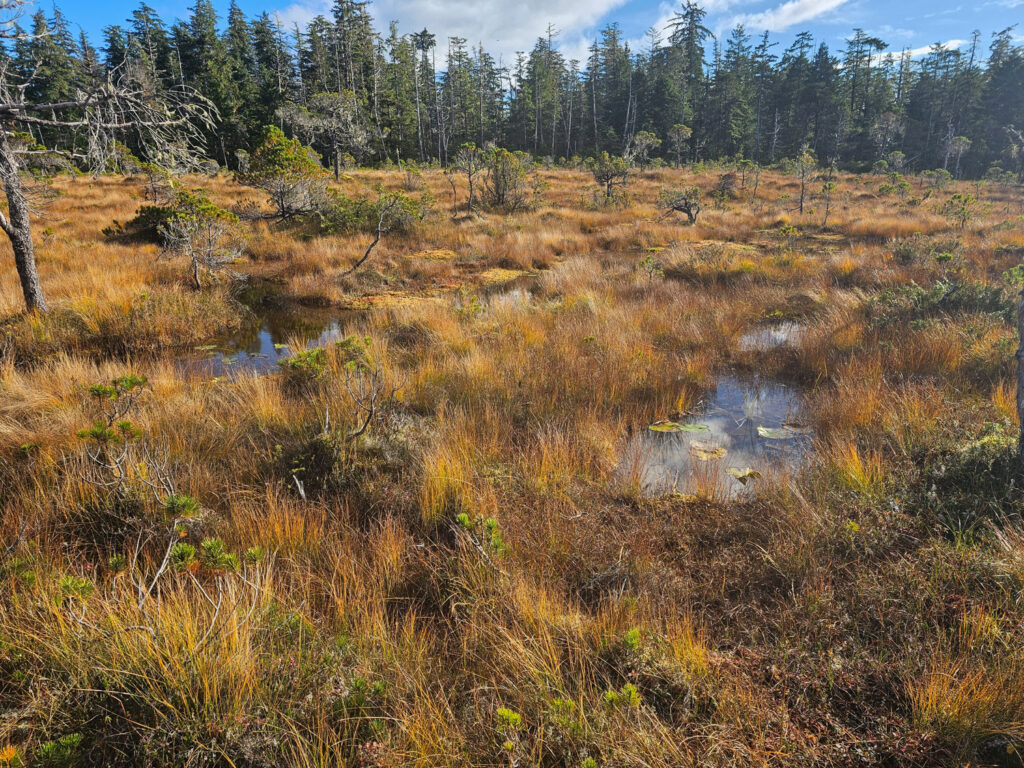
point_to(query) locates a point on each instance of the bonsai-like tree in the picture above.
(471, 161)
(202, 232)
(610, 172)
(288, 171)
(686, 201)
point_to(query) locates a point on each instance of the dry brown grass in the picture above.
(487, 544)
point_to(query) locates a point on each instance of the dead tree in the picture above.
(127, 101)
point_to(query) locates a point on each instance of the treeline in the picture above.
(359, 95)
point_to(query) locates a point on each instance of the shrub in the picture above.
(685, 201)
(505, 180)
(143, 227)
(913, 302)
(304, 368)
(895, 184)
(937, 179)
(961, 208)
(288, 171)
(201, 231)
(611, 172)
(341, 214)
(640, 148)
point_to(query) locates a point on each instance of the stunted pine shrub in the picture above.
(506, 180)
(611, 172)
(937, 179)
(961, 208)
(288, 171)
(202, 232)
(686, 201)
(341, 214)
(895, 184)
(470, 161)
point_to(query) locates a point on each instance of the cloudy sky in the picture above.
(507, 26)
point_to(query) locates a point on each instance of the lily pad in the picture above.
(784, 432)
(672, 426)
(744, 475)
(706, 451)
(280, 346)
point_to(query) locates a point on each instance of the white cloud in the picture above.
(786, 15)
(503, 26)
(302, 13)
(925, 49)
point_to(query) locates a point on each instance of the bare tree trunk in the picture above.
(1020, 380)
(18, 228)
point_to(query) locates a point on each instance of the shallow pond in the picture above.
(267, 340)
(771, 336)
(743, 431)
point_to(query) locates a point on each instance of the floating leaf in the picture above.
(672, 426)
(206, 348)
(743, 475)
(280, 346)
(706, 451)
(785, 432)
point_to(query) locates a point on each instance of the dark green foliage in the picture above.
(288, 171)
(611, 173)
(144, 227)
(341, 214)
(505, 180)
(974, 484)
(62, 753)
(913, 302)
(385, 97)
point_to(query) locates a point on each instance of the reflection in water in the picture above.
(260, 345)
(692, 462)
(771, 336)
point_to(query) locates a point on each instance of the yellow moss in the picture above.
(436, 254)
(497, 275)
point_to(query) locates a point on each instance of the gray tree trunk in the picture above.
(1020, 380)
(18, 228)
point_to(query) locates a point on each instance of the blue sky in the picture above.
(505, 26)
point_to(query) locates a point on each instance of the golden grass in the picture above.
(527, 351)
